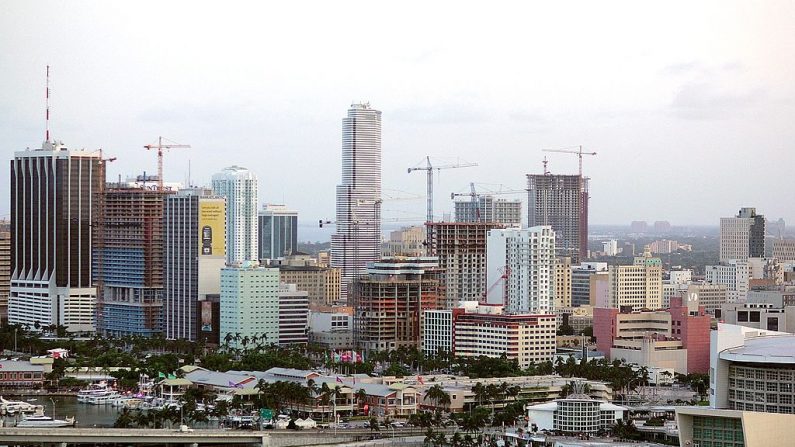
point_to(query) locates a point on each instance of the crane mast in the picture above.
(160, 146)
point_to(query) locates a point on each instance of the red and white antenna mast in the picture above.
(47, 110)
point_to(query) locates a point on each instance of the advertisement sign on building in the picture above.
(211, 228)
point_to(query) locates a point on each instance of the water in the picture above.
(86, 415)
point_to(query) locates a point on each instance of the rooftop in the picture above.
(771, 349)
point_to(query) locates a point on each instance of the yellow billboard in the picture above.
(212, 223)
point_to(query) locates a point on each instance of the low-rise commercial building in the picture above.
(575, 414)
(331, 329)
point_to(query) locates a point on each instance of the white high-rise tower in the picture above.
(358, 237)
(239, 187)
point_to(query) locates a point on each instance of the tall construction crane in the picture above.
(160, 146)
(505, 274)
(428, 168)
(578, 152)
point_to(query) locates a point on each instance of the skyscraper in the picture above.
(742, 236)
(53, 199)
(278, 232)
(358, 237)
(561, 201)
(239, 187)
(195, 253)
(128, 254)
(521, 263)
(5, 268)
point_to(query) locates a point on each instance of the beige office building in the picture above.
(638, 285)
(563, 283)
(321, 283)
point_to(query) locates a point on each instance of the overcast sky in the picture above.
(690, 105)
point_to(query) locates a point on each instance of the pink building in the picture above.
(691, 325)
(677, 338)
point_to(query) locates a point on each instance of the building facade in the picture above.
(357, 241)
(389, 301)
(278, 232)
(638, 285)
(563, 283)
(734, 274)
(485, 208)
(784, 249)
(561, 201)
(589, 280)
(408, 241)
(5, 268)
(321, 283)
(521, 269)
(742, 236)
(461, 250)
(129, 260)
(239, 187)
(293, 315)
(249, 303)
(53, 207)
(195, 253)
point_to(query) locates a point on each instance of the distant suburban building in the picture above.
(742, 236)
(521, 263)
(461, 250)
(561, 201)
(278, 232)
(638, 226)
(665, 246)
(239, 186)
(638, 285)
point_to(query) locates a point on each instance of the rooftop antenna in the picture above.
(546, 172)
(47, 108)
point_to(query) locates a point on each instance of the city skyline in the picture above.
(666, 113)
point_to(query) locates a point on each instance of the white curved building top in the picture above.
(235, 172)
(778, 349)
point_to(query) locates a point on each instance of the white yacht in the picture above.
(45, 421)
(105, 398)
(17, 406)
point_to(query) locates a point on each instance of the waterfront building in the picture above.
(390, 299)
(129, 260)
(461, 250)
(54, 194)
(742, 236)
(278, 232)
(561, 201)
(357, 241)
(521, 262)
(250, 303)
(239, 187)
(195, 253)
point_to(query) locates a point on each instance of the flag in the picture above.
(172, 376)
(161, 376)
(338, 379)
(235, 385)
(419, 379)
(354, 380)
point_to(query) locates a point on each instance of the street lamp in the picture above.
(53, 407)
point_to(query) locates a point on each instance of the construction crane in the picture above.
(578, 152)
(428, 168)
(160, 146)
(505, 273)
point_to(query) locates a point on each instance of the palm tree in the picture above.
(437, 394)
(361, 398)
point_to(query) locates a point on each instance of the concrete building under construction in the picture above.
(461, 250)
(128, 260)
(389, 301)
(561, 201)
